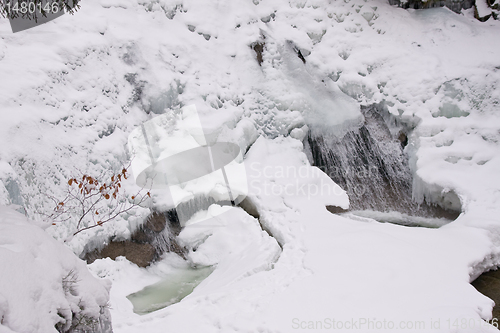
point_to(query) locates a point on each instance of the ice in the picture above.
(450, 110)
(370, 164)
(317, 101)
(435, 194)
(9, 187)
(244, 132)
(159, 102)
(397, 218)
(186, 210)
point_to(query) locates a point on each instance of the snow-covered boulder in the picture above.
(44, 287)
(482, 11)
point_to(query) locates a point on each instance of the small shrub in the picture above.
(95, 201)
(69, 283)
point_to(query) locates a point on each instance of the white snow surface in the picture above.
(42, 282)
(72, 90)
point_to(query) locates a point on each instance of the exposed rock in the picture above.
(258, 48)
(300, 52)
(139, 254)
(336, 209)
(482, 10)
(455, 6)
(489, 284)
(153, 238)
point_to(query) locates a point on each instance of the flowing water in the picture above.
(396, 218)
(369, 162)
(171, 289)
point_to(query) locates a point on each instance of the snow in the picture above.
(483, 10)
(74, 89)
(42, 282)
(329, 267)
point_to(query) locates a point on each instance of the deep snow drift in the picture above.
(74, 89)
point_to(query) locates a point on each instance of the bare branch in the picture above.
(94, 201)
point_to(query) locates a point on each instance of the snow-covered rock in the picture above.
(44, 287)
(482, 11)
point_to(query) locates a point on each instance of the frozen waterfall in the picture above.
(370, 163)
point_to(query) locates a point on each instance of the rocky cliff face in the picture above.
(483, 9)
(454, 5)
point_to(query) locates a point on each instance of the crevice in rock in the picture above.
(258, 48)
(300, 53)
(251, 209)
(248, 206)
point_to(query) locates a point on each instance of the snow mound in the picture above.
(44, 287)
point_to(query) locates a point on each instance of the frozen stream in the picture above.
(171, 289)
